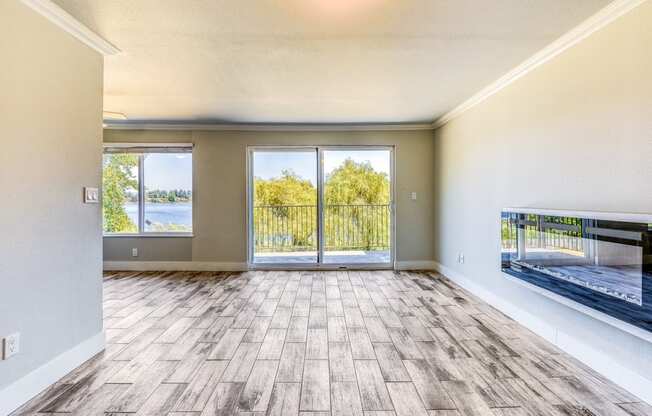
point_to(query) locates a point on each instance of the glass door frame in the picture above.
(319, 153)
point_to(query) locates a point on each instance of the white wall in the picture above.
(575, 133)
(50, 243)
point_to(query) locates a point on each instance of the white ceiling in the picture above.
(314, 61)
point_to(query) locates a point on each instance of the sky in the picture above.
(270, 164)
(166, 171)
(174, 171)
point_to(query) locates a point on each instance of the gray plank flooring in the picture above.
(368, 343)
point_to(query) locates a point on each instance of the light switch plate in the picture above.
(91, 195)
(413, 196)
(10, 345)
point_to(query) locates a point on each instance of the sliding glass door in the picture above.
(283, 206)
(320, 206)
(357, 206)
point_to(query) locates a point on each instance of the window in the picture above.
(147, 189)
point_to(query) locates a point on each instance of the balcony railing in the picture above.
(283, 228)
(543, 232)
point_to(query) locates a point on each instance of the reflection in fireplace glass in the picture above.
(593, 254)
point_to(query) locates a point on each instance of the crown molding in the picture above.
(67, 22)
(150, 125)
(602, 18)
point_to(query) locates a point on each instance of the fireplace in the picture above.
(602, 261)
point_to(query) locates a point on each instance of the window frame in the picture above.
(141, 149)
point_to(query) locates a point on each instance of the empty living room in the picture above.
(326, 208)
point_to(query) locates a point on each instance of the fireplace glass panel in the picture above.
(602, 264)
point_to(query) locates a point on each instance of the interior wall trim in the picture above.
(67, 22)
(283, 127)
(602, 18)
(24, 389)
(594, 358)
(145, 266)
(415, 265)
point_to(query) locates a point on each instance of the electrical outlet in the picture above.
(134, 252)
(10, 345)
(460, 257)
(413, 196)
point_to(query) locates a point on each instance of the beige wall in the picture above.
(575, 133)
(51, 243)
(220, 190)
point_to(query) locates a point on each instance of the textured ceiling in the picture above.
(321, 61)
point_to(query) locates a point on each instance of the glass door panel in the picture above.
(356, 207)
(284, 214)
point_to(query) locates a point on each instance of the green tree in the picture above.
(289, 189)
(355, 212)
(355, 183)
(117, 178)
(287, 211)
(356, 199)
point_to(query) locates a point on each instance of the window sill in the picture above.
(150, 235)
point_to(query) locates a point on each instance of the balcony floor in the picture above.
(332, 257)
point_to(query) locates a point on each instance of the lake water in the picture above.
(178, 214)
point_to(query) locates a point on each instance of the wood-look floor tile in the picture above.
(376, 329)
(224, 400)
(467, 401)
(281, 318)
(162, 400)
(345, 399)
(174, 332)
(239, 367)
(341, 362)
(189, 364)
(284, 400)
(227, 346)
(361, 346)
(373, 392)
(337, 329)
(428, 386)
(292, 363)
(315, 390)
(405, 345)
(353, 317)
(197, 393)
(406, 400)
(318, 318)
(298, 329)
(272, 345)
(371, 343)
(134, 397)
(257, 330)
(390, 362)
(258, 389)
(317, 344)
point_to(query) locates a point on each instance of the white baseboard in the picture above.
(415, 265)
(22, 390)
(143, 266)
(596, 359)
